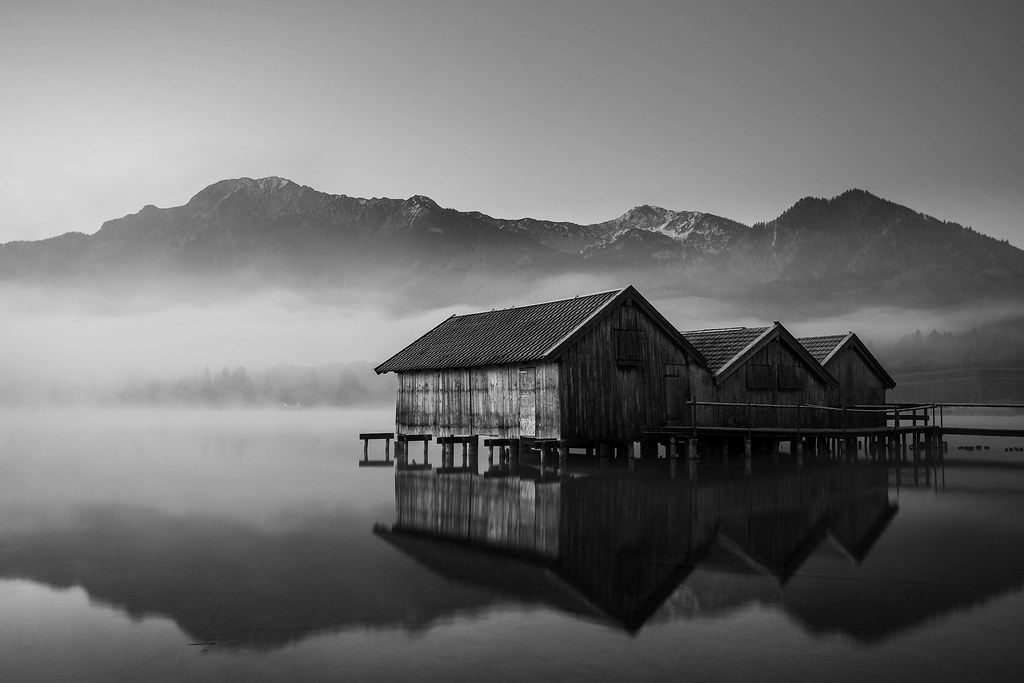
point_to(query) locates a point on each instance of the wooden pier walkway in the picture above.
(881, 432)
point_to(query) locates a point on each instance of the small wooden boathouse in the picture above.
(598, 368)
(765, 366)
(862, 380)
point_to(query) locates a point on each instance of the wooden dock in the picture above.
(900, 432)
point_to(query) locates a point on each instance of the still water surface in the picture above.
(239, 546)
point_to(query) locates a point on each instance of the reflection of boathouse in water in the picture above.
(626, 543)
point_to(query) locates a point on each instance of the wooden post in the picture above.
(846, 444)
(490, 456)
(426, 457)
(474, 455)
(747, 454)
(563, 459)
(798, 448)
(543, 458)
(672, 456)
(387, 449)
(517, 458)
(366, 450)
(691, 449)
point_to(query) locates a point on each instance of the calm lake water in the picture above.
(239, 546)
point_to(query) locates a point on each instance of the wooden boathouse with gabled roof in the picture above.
(862, 379)
(762, 365)
(602, 367)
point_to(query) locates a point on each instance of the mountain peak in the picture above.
(253, 187)
(645, 217)
(422, 201)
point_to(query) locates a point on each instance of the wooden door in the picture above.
(677, 393)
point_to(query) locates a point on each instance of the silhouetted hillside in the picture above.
(850, 251)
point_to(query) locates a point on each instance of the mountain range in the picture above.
(854, 249)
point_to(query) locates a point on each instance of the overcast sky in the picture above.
(560, 110)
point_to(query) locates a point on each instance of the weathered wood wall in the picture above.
(858, 385)
(508, 513)
(774, 375)
(485, 400)
(624, 375)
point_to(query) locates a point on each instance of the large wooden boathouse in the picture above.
(602, 367)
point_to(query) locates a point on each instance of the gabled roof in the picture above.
(825, 348)
(728, 349)
(722, 345)
(519, 334)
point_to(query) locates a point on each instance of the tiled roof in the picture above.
(821, 347)
(721, 346)
(509, 335)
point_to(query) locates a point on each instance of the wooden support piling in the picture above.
(370, 436)
(672, 456)
(604, 454)
(474, 455)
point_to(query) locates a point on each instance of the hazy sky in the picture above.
(562, 110)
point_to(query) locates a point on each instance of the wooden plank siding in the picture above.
(623, 375)
(774, 375)
(482, 400)
(614, 379)
(858, 385)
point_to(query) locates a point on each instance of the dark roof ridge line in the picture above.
(724, 329)
(539, 303)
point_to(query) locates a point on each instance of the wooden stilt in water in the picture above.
(474, 455)
(563, 459)
(366, 438)
(401, 454)
(672, 456)
(517, 457)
